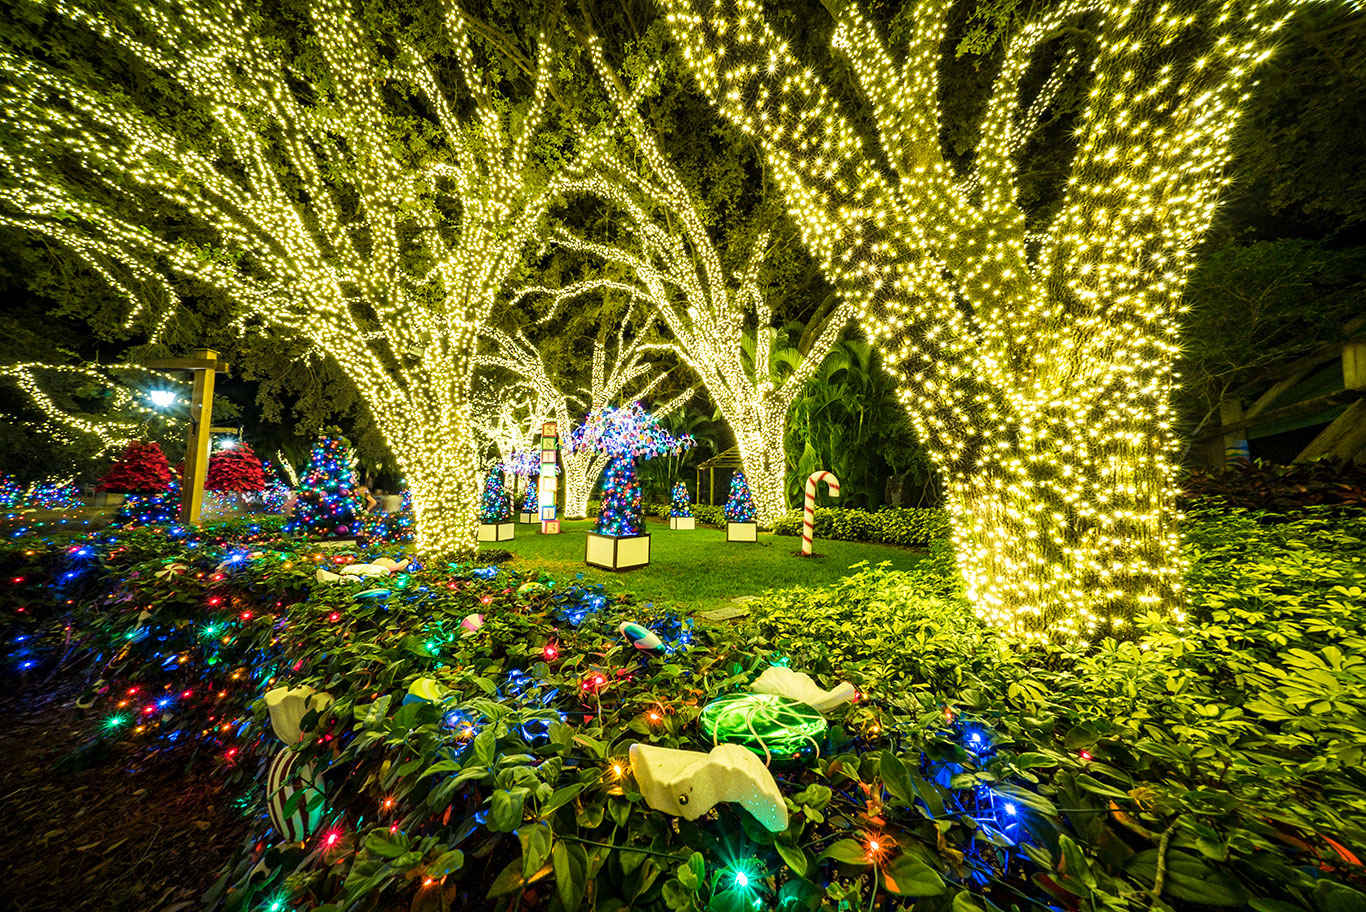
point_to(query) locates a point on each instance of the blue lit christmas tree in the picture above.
(740, 503)
(624, 434)
(680, 502)
(327, 505)
(531, 504)
(496, 505)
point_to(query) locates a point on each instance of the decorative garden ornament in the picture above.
(286, 777)
(643, 638)
(425, 689)
(365, 570)
(687, 784)
(288, 706)
(471, 624)
(390, 564)
(798, 686)
(327, 576)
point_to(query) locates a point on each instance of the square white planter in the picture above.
(612, 552)
(496, 532)
(682, 522)
(742, 532)
(525, 517)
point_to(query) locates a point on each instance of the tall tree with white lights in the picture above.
(620, 370)
(707, 310)
(355, 181)
(1035, 359)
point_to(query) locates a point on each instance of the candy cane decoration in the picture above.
(809, 510)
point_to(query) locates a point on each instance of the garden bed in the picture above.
(1220, 758)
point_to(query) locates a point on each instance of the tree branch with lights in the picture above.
(1034, 350)
(357, 185)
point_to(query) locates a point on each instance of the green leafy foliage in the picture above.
(910, 526)
(1219, 757)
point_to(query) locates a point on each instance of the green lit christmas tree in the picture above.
(740, 503)
(680, 502)
(496, 504)
(327, 505)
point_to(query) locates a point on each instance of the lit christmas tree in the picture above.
(234, 469)
(142, 469)
(327, 505)
(496, 505)
(740, 503)
(680, 502)
(531, 504)
(399, 527)
(624, 435)
(277, 489)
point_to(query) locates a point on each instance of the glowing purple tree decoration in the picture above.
(624, 435)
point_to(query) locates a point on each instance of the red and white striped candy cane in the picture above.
(809, 510)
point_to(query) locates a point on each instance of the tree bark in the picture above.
(438, 455)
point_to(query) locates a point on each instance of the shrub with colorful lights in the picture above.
(624, 435)
(970, 772)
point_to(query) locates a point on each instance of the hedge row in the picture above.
(910, 526)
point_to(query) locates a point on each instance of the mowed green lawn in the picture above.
(699, 570)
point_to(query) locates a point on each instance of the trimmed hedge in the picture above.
(909, 526)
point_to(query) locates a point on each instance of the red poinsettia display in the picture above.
(236, 470)
(142, 469)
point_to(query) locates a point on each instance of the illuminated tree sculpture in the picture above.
(496, 503)
(680, 501)
(708, 311)
(617, 370)
(1035, 359)
(740, 503)
(358, 184)
(624, 435)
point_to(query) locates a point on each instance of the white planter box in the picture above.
(613, 552)
(525, 517)
(682, 522)
(742, 532)
(496, 532)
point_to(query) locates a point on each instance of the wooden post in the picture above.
(204, 365)
(197, 440)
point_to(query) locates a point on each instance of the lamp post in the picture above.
(204, 366)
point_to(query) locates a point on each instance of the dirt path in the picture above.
(124, 834)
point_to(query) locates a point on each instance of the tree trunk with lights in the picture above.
(1034, 350)
(303, 194)
(706, 310)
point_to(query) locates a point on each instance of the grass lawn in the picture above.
(699, 570)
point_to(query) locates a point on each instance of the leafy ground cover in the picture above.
(1212, 765)
(698, 570)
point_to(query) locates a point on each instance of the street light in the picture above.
(162, 398)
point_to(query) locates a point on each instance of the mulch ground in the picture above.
(126, 833)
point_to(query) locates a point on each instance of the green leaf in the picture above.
(535, 839)
(378, 843)
(561, 797)
(793, 857)
(847, 851)
(570, 863)
(896, 778)
(505, 810)
(907, 876)
(509, 879)
(445, 863)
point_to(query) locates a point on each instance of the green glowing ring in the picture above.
(774, 727)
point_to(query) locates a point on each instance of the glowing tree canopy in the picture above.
(707, 311)
(1035, 359)
(624, 435)
(617, 370)
(496, 504)
(142, 469)
(126, 413)
(235, 469)
(680, 501)
(359, 184)
(327, 505)
(740, 503)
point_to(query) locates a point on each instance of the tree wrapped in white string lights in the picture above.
(1035, 359)
(355, 182)
(618, 370)
(706, 309)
